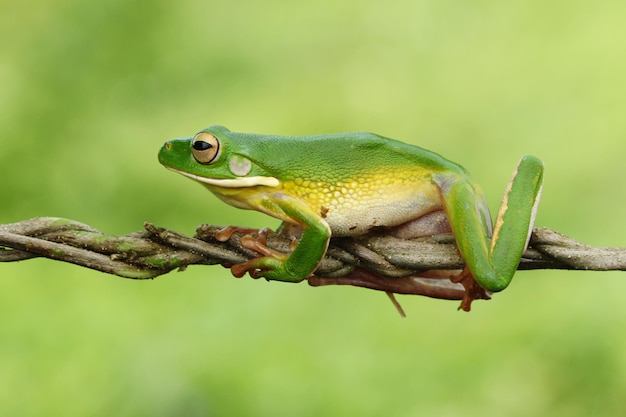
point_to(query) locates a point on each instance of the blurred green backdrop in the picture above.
(89, 92)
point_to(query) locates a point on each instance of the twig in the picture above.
(378, 261)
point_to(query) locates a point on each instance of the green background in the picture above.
(89, 92)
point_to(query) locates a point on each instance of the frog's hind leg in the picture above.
(442, 284)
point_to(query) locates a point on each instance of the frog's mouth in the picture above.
(238, 182)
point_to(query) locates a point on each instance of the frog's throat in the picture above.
(238, 182)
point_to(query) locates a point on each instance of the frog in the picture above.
(351, 184)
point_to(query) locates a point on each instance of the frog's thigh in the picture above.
(433, 223)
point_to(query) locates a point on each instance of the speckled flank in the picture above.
(380, 198)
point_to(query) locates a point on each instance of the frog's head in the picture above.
(216, 157)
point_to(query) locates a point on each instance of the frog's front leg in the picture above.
(305, 257)
(492, 258)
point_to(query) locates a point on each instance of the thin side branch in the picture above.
(380, 262)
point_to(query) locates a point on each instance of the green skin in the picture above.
(348, 184)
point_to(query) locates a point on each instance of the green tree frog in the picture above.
(349, 184)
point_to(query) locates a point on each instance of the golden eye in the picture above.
(205, 148)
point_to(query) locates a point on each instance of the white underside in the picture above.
(238, 182)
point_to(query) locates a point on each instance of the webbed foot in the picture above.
(255, 240)
(473, 290)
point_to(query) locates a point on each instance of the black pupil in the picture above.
(201, 145)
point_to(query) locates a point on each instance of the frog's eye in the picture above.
(205, 148)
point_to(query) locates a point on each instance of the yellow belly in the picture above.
(379, 199)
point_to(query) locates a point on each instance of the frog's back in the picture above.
(346, 155)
